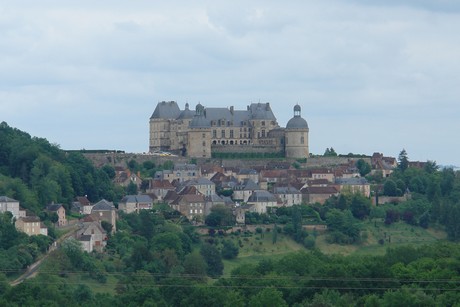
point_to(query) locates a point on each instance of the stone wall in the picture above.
(121, 159)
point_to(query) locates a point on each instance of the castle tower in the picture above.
(296, 136)
(199, 135)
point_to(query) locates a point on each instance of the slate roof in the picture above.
(30, 219)
(286, 190)
(85, 238)
(5, 199)
(247, 184)
(137, 199)
(247, 171)
(319, 190)
(166, 110)
(185, 167)
(351, 181)
(53, 207)
(103, 205)
(202, 119)
(261, 111)
(187, 113)
(297, 122)
(201, 181)
(261, 196)
(214, 198)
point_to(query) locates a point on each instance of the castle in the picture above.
(226, 130)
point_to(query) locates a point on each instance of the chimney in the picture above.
(267, 106)
(231, 110)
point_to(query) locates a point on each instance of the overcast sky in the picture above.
(370, 76)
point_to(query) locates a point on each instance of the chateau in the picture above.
(205, 131)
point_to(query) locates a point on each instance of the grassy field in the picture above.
(258, 247)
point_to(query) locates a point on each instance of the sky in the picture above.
(370, 75)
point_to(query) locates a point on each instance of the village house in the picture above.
(135, 203)
(31, 225)
(126, 177)
(327, 174)
(385, 165)
(244, 190)
(203, 185)
(318, 194)
(353, 185)
(288, 196)
(160, 187)
(261, 200)
(300, 175)
(105, 211)
(181, 172)
(10, 205)
(191, 206)
(247, 173)
(60, 211)
(82, 205)
(92, 236)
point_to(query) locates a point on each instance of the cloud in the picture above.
(96, 70)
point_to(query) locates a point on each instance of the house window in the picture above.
(223, 133)
(203, 135)
(214, 133)
(191, 211)
(231, 133)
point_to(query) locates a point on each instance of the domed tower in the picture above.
(199, 135)
(296, 136)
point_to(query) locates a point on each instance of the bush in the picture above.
(309, 242)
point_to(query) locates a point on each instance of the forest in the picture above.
(157, 258)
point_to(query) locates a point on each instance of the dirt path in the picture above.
(33, 268)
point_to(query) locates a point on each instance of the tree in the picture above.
(195, 265)
(213, 260)
(430, 167)
(390, 188)
(360, 206)
(403, 160)
(131, 189)
(330, 152)
(220, 216)
(268, 297)
(229, 249)
(363, 167)
(74, 251)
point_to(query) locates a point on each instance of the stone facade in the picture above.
(198, 134)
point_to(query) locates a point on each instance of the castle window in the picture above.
(223, 133)
(204, 135)
(231, 133)
(263, 133)
(204, 143)
(214, 133)
(302, 140)
(263, 123)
